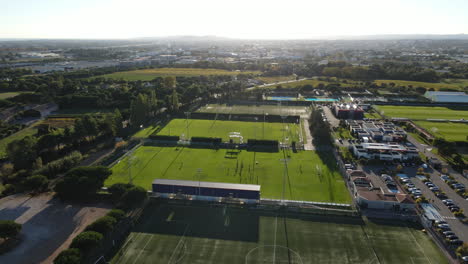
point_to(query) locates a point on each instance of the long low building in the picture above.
(381, 151)
(447, 97)
(206, 189)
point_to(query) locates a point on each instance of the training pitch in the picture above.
(221, 128)
(255, 109)
(448, 130)
(424, 112)
(308, 177)
(188, 234)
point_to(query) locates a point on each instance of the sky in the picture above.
(249, 19)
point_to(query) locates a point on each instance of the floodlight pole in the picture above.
(187, 116)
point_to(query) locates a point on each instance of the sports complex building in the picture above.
(200, 190)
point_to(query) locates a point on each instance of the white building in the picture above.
(382, 151)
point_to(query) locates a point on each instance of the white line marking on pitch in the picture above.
(419, 246)
(141, 251)
(274, 240)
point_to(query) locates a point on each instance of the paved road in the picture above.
(334, 122)
(272, 84)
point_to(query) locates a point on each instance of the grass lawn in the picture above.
(424, 112)
(448, 130)
(308, 177)
(8, 95)
(372, 115)
(275, 79)
(150, 74)
(452, 84)
(343, 133)
(254, 109)
(146, 132)
(186, 234)
(29, 131)
(83, 111)
(221, 128)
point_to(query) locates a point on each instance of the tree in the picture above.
(9, 229)
(69, 256)
(117, 190)
(102, 225)
(86, 241)
(82, 182)
(170, 82)
(22, 152)
(117, 214)
(36, 182)
(139, 110)
(174, 101)
(462, 250)
(134, 196)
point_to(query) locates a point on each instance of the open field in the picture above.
(447, 130)
(449, 83)
(221, 128)
(424, 112)
(146, 132)
(275, 79)
(8, 95)
(210, 235)
(29, 131)
(150, 74)
(254, 109)
(309, 178)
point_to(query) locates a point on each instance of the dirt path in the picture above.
(48, 225)
(308, 145)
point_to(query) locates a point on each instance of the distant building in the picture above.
(346, 111)
(447, 97)
(381, 151)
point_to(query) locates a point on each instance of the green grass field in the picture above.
(29, 131)
(449, 83)
(449, 131)
(146, 132)
(8, 95)
(308, 177)
(424, 112)
(221, 128)
(212, 235)
(254, 109)
(150, 74)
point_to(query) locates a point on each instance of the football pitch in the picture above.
(447, 130)
(221, 128)
(170, 233)
(255, 109)
(307, 177)
(424, 112)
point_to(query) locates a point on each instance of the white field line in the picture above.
(141, 251)
(274, 240)
(130, 239)
(419, 246)
(180, 241)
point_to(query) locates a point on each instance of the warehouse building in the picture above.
(346, 111)
(200, 190)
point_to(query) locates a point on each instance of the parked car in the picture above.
(441, 195)
(445, 177)
(454, 209)
(444, 227)
(451, 237)
(428, 182)
(447, 201)
(434, 189)
(456, 242)
(448, 233)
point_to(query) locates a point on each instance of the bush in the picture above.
(117, 214)
(462, 250)
(118, 190)
(36, 182)
(9, 229)
(134, 196)
(61, 165)
(69, 256)
(103, 225)
(86, 241)
(82, 182)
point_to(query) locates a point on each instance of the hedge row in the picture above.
(56, 167)
(260, 142)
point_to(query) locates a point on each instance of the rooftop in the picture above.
(200, 184)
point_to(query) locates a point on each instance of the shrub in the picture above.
(134, 196)
(82, 182)
(9, 229)
(86, 240)
(61, 165)
(462, 250)
(69, 256)
(117, 214)
(36, 182)
(103, 225)
(118, 190)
